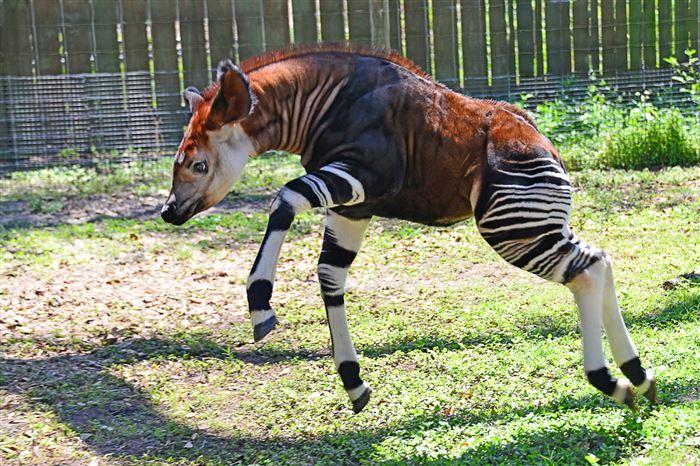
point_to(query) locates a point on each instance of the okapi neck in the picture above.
(290, 101)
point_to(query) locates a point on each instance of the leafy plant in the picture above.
(649, 138)
(687, 73)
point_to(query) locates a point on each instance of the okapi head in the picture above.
(215, 147)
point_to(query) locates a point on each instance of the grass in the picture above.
(127, 341)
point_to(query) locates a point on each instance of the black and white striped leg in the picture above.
(330, 186)
(623, 350)
(523, 213)
(588, 287)
(341, 242)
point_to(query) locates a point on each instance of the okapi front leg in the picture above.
(330, 186)
(341, 241)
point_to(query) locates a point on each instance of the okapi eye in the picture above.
(199, 167)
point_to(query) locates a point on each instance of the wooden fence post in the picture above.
(276, 19)
(305, 28)
(78, 42)
(359, 22)
(649, 37)
(665, 32)
(526, 38)
(474, 47)
(194, 53)
(249, 21)
(380, 23)
(558, 40)
(16, 61)
(48, 27)
(332, 24)
(635, 30)
(417, 35)
(166, 77)
(681, 29)
(445, 35)
(220, 19)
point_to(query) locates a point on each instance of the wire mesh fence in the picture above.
(100, 80)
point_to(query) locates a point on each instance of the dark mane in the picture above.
(293, 51)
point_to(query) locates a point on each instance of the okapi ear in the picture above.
(234, 100)
(192, 97)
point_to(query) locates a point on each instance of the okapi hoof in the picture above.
(630, 399)
(261, 330)
(624, 394)
(651, 393)
(359, 404)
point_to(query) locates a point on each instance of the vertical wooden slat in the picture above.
(135, 39)
(445, 35)
(680, 42)
(512, 32)
(473, 45)
(636, 21)
(250, 28)
(380, 23)
(417, 39)
(165, 64)
(106, 45)
(6, 149)
(394, 24)
(694, 24)
(305, 29)
(48, 26)
(539, 48)
(593, 40)
(194, 54)
(220, 18)
(78, 42)
(359, 22)
(15, 36)
(276, 18)
(621, 34)
(649, 12)
(581, 32)
(665, 31)
(558, 39)
(607, 8)
(526, 38)
(502, 64)
(332, 28)
(15, 30)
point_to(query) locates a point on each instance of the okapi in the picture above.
(378, 137)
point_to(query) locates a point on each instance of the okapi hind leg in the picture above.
(341, 242)
(523, 212)
(623, 350)
(588, 288)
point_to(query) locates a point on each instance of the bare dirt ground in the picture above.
(103, 206)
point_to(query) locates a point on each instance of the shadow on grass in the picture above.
(115, 418)
(682, 307)
(17, 215)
